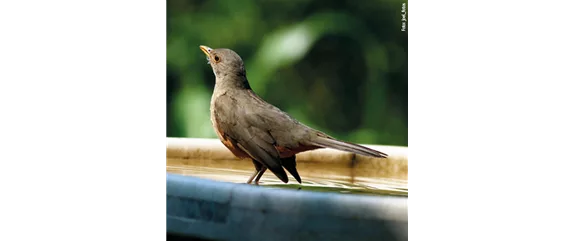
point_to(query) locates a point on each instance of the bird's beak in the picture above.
(205, 49)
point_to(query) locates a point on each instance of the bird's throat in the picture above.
(232, 82)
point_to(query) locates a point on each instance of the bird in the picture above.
(252, 128)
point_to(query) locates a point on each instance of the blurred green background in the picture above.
(337, 66)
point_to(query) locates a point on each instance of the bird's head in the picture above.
(226, 64)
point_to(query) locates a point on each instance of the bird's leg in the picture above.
(252, 176)
(258, 167)
(260, 175)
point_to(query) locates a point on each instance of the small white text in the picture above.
(404, 17)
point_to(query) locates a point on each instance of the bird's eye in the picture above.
(216, 59)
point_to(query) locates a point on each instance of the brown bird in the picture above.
(252, 128)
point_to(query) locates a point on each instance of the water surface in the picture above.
(324, 177)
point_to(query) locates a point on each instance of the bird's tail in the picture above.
(290, 164)
(328, 142)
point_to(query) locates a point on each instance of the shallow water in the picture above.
(315, 176)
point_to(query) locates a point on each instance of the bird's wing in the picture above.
(285, 130)
(234, 121)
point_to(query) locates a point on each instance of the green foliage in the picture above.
(338, 66)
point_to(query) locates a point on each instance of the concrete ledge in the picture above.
(227, 211)
(213, 149)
